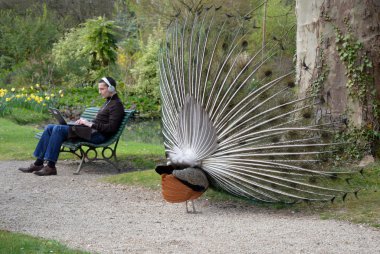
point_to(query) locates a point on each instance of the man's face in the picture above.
(103, 90)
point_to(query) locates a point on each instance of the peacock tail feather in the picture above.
(225, 112)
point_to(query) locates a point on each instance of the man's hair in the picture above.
(110, 80)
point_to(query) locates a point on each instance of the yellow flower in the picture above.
(31, 88)
(47, 98)
(44, 104)
(13, 89)
(29, 99)
(37, 85)
(52, 95)
(22, 89)
(61, 95)
(60, 91)
(8, 99)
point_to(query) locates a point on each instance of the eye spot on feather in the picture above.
(312, 179)
(224, 46)
(244, 44)
(333, 176)
(306, 115)
(268, 73)
(291, 84)
(325, 135)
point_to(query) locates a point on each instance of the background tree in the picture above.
(100, 41)
(338, 50)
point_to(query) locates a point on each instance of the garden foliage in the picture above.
(44, 45)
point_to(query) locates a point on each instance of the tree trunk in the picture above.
(321, 69)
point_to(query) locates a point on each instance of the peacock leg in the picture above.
(193, 206)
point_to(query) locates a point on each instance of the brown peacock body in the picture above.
(230, 122)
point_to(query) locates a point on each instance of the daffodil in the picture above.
(37, 85)
(47, 98)
(8, 99)
(3, 92)
(60, 91)
(13, 89)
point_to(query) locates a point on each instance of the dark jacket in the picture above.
(109, 117)
(107, 121)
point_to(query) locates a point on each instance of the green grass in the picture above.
(16, 243)
(364, 209)
(18, 143)
(27, 116)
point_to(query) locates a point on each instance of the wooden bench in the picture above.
(83, 149)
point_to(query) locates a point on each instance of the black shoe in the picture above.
(32, 168)
(46, 171)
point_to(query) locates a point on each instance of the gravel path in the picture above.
(84, 213)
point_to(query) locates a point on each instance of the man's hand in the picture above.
(84, 122)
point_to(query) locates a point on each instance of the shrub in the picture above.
(25, 44)
(87, 52)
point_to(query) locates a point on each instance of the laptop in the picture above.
(58, 115)
(81, 131)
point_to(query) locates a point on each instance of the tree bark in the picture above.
(320, 68)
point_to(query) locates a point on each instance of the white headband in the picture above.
(107, 82)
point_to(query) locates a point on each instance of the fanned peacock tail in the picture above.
(225, 112)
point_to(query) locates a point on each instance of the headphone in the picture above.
(111, 88)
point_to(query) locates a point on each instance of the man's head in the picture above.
(107, 87)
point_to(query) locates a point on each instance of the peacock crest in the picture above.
(231, 122)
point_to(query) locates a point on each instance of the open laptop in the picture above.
(58, 115)
(80, 130)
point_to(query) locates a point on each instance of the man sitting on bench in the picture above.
(105, 124)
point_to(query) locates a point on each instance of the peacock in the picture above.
(231, 122)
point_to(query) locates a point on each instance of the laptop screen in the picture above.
(55, 112)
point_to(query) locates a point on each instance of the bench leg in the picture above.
(81, 163)
(109, 158)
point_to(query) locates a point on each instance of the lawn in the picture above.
(15, 243)
(18, 143)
